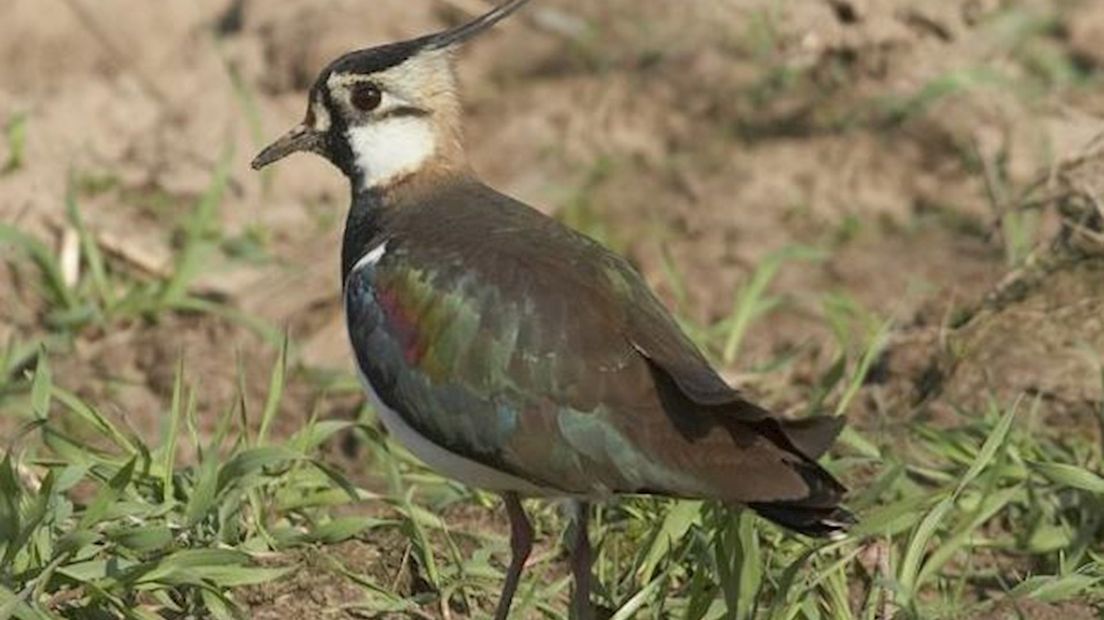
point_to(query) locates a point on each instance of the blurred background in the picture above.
(883, 207)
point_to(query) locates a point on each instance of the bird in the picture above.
(514, 354)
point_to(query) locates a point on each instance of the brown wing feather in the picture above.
(657, 337)
(629, 403)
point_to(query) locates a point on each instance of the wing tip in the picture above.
(831, 523)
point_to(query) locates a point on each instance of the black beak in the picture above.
(300, 138)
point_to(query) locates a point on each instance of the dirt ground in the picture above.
(895, 136)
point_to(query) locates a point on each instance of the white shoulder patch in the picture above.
(371, 258)
(391, 148)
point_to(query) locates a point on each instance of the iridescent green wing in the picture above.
(508, 339)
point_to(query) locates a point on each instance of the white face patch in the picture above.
(321, 116)
(390, 148)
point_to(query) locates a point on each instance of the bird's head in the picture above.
(384, 113)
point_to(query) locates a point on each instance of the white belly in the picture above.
(445, 462)
(439, 459)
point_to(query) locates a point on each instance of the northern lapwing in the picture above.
(517, 355)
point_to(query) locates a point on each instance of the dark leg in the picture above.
(581, 563)
(521, 543)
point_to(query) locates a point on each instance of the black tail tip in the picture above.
(832, 522)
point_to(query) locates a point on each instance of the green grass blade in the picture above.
(752, 302)
(202, 498)
(969, 529)
(251, 461)
(676, 523)
(16, 133)
(196, 244)
(275, 392)
(142, 539)
(168, 454)
(873, 349)
(47, 263)
(93, 417)
(1071, 476)
(1054, 588)
(42, 387)
(632, 607)
(994, 442)
(917, 545)
(11, 494)
(14, 605)
(90, 248)
(108, 495)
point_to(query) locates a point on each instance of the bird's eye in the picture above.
(366, 96)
